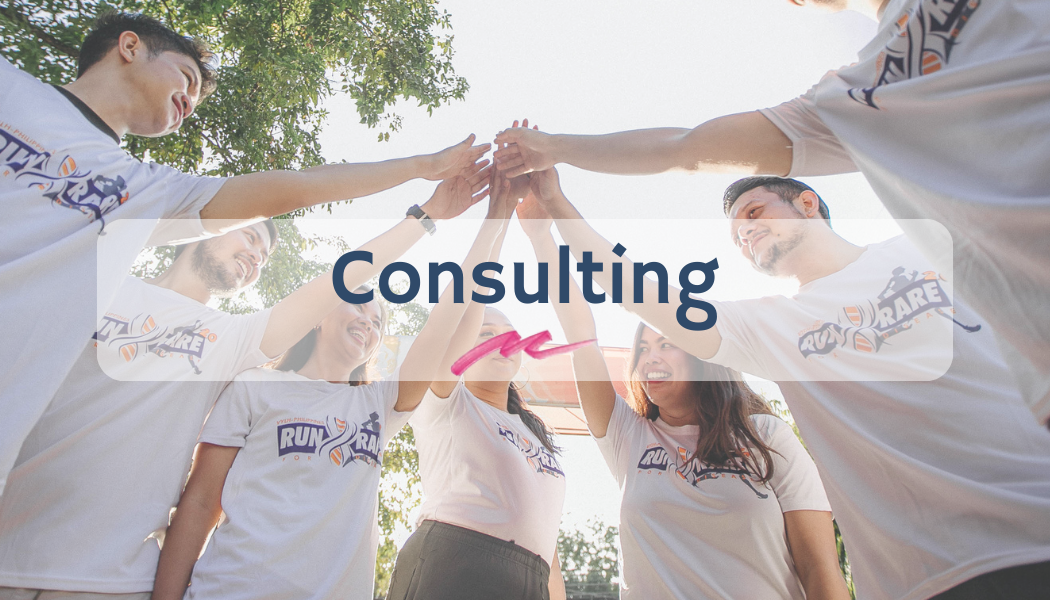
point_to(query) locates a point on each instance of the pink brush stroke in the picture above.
(509, 344)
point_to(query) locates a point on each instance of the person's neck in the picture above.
(493, 393)
(823, 255)
(103, 96)
(181, 279)
(679, 416)
(322, 366)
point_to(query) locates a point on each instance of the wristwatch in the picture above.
(424, 218)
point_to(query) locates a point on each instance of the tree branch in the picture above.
(13, 14)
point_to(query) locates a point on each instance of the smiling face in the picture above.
(166, 90)
(232, 262)
(768, 230)
(351, 333)
(666, 372)
(494, 366)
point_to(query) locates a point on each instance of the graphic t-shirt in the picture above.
(946, 114)
(302, 497)
(932, 482)
(98, 475)
(483, 469)
(692, 530)
(64, 187)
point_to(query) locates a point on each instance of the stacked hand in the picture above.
(449, 162)
(459, 192)
(521, 150)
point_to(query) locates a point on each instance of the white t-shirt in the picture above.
(932, 483)
(690, 530)
(947, 113)
(98, 475)
(483, 469)
(64, 184)
(302, 497)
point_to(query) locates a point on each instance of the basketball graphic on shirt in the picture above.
(341, 441)
(934, 26)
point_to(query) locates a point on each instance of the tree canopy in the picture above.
(277, 60)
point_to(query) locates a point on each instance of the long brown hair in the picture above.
(724, 404)
(516, 406)
(296, 357)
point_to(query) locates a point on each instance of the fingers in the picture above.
(478, 151)
(479, 180)
(472, 169)
(470, 140)
(508, 136)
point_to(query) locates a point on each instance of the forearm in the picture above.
(575, 316)
(295, 315)
(182, 545)
(271, 193)
(811, 540)
(745, 143)
(581, 237)
(441, 336)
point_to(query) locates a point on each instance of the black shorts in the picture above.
(445, 562)
(1024, 582)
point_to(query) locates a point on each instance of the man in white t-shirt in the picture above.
(938, 476)
(945, 114)
(98, 474)
(65, 182)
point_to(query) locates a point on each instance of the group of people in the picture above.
(123, 398)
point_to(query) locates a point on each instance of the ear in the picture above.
(810, 204)
(130, 47)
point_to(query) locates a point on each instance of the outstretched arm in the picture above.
(593, 384)
(259, 195)
(420, 371)
(199, 509)
(294, 316)
(746, 143)
(501, 208)
(581, 237)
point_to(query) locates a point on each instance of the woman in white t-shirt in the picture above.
(493, 487)
(720, 500)
(292, 458)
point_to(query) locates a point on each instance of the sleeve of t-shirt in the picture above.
(432, 408)
(615, 446)
(386, 394)
(739, 349)
(230, 420)
(184, 196)
(248, 334)
(815, 150)
(795, 480)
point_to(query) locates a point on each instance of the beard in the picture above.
(770, 264)
(217, 279)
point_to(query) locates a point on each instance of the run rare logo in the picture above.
(140, 335)
(907, 298)
(340, 441)
(539, 458)
(60, 180)
(922, 45)
(692, 471)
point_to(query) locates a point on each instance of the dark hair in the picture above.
(270, 226)
(158, 38)
(295, 357)
(724, 403)
(517, 406)
(787, 189)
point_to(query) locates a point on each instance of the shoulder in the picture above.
(770, 427)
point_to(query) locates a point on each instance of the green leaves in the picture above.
(278, 60)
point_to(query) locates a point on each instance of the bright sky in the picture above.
(597, 66)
